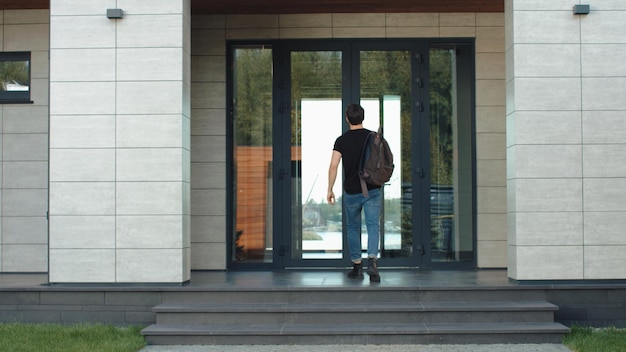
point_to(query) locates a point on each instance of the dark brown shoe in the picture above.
(372, 270)
(356, 272)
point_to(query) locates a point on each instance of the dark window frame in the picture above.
(17, 97)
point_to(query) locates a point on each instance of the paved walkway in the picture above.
(366, 348)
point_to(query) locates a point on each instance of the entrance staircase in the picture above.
(355, 315)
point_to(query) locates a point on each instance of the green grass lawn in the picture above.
(16, 337)
(586, 339)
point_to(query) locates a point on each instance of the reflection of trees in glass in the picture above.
(389, 73)
(407, 227)
(253, 96)
(308, 83)
(13, 72)
(381, 73)
(442, 66)
(252, 120)
(441, 144)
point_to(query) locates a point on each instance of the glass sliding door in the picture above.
(252, 155)
(451, 155)
(316, 121)
(286, 107)
(385, 94)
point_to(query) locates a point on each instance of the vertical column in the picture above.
(603, 71)
(544, 151)
(119, 147)
(82, 143)
(152, 141)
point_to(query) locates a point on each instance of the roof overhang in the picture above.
(342, 6)
(214, 7)
(24, 4)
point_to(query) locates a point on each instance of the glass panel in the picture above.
(252, 153)
(316, 121)
(386, 98)
(14, 76)
(451, 158)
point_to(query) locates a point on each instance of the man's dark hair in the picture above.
(355, 114)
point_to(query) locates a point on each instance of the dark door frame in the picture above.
(351, 93)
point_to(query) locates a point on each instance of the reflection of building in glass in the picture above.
(253, 222)
(253, 166)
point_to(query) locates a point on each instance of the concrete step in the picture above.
(355, 294)
(355, 333)
(346, 313)
(349, 321)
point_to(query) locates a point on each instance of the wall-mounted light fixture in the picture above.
(581, 9)
(115, 13)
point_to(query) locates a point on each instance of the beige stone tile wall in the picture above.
(491, 142)
(565, 107)
(24, 149)
(208, 124)
(208, 142)
(119, 142)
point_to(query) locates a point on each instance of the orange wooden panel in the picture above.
(252, 198)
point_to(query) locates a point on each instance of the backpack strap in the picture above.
(361, 162)
(363, 187)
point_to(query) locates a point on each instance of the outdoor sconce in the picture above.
(581, 9)
(115, 13)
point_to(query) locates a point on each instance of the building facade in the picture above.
(129, 159)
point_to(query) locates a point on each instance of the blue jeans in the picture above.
(371, 207)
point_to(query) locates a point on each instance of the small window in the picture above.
(14, 77)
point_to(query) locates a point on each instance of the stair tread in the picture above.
(356, 307)
(357, 328)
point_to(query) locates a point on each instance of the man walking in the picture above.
(348, 147)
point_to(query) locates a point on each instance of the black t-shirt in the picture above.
(350, 145)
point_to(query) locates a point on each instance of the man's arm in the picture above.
(332, 176)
